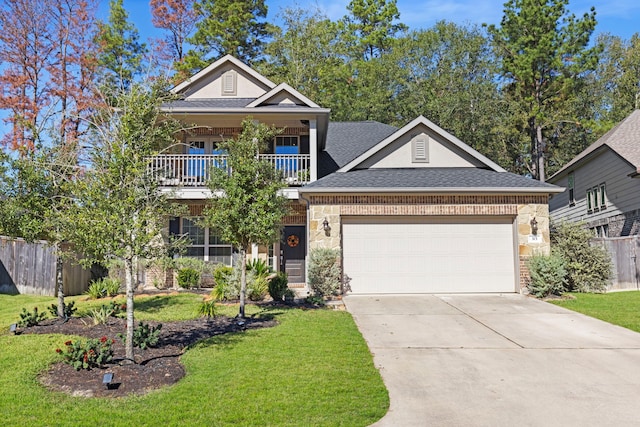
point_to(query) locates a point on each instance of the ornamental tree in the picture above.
(251, 207)
(120, 212)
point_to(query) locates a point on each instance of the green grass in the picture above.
(619, 308)
(314, 368)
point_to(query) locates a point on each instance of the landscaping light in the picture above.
(107, 379)
(534, 226)
(13, 328)
(325, 225)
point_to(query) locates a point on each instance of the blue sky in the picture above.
(618, 17)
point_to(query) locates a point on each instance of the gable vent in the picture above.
(229, 80)
(420, 149)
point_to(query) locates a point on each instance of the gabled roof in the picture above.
(430, 180)
(348, 140)
(283, 88)
(220, 62)
(623, 139)
(435, 128)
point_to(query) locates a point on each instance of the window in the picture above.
(205, 245)
(420, 148)
(570, 186)
(596, 198)
(287, 145)
(603, 199)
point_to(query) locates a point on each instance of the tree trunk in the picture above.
(128, 266)
(59, 281)
(243, 280)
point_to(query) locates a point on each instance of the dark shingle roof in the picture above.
(434, 179)
(209, 103)
(348, 140)
(624, 139)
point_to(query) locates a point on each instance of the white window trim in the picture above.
(207, 237)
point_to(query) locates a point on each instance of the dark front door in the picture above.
(293, 248)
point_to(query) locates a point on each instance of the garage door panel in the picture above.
(440, 255)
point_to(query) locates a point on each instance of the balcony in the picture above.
(194, 170)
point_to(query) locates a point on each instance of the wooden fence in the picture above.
(624, 252)
(30, 268)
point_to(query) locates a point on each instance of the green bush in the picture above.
(93, 353)
(208, 309)
(278, 286)
(105, 287)
(222, 289)
(259, 267)
(101, 315)
(588, 267)
(324, 272)
(69, 309)
(144, 336)
(188, 278)
(31, 318)
(257, 286)
(547, 275)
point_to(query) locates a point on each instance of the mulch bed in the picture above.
(154, 367)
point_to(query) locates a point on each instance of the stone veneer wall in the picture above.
(523, 208)
(626, 224)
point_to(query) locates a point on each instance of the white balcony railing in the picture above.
(194, 170)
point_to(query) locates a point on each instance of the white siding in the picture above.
(623, 192)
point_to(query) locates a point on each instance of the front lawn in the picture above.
(314, 368)
(619, 308)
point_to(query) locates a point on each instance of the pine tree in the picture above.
(227, 27)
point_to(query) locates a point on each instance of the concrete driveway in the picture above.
(498, 360)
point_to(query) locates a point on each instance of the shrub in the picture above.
(223, 289)
(31, 318)
(278, 286)
(257, 286)
(111, 286)
(93, 353)
(548, 275)
(324, 272)
(144, 336)
(188, 278)
(588, 267)
(208, 309)
(69, 309)
(101, 315)
(105, 287)
(259, 267)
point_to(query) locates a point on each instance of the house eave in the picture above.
(246, 111)
(431, 190)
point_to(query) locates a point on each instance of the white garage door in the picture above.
(429, 254)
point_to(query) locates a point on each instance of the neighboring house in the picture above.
(411, 209)
(602, 183)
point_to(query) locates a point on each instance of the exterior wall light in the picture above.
(325, 225)
(534, 226)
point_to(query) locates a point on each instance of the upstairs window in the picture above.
(570, 186)
(596, 198)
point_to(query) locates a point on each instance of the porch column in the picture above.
(254, 252)
(313, 149)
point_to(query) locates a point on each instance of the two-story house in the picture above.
(412, 209)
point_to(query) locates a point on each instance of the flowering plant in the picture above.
(93, 353)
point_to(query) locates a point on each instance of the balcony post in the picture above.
(313, 150)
